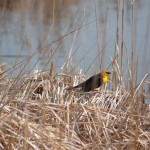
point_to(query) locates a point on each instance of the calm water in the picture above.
(71, 30)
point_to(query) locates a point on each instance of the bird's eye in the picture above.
(108, 72)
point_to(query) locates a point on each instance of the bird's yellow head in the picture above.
(104, 75)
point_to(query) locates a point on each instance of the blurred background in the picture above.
(86, 33)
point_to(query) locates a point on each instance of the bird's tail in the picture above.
(69, 88)
(74, 88)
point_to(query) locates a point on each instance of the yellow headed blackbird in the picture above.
(94, 82)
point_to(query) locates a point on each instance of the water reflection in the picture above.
(30, 25)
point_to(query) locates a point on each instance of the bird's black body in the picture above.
(90, 84)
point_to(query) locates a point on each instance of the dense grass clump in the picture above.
(38, 112)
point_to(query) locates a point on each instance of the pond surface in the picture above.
(74, 31)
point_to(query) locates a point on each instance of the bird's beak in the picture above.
(108, 72)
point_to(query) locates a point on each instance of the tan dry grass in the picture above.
(38, 112)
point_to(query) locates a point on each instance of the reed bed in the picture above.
(39, 112)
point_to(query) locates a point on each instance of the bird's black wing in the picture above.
(97, 81)
(90, 84)
(81, 85)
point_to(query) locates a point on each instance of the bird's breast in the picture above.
(105, 79)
